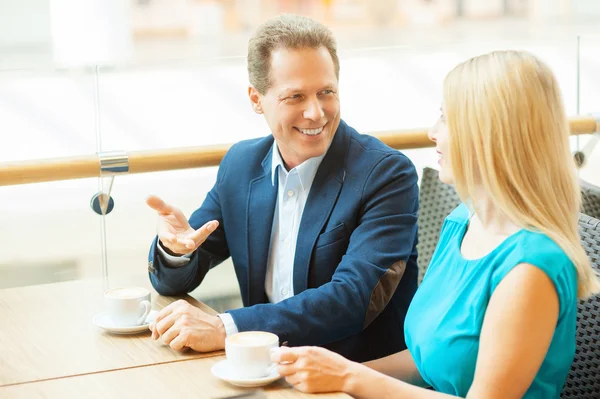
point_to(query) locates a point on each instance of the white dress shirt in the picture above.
(293, 189)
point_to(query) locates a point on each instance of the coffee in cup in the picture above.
(127, 306)
(249, 353)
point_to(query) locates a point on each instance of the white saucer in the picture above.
(221, 370)
(101, 320)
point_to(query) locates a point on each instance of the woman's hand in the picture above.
(313, 369)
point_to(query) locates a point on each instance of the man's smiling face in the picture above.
(301, 106)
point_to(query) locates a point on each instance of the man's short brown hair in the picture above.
(286, 32)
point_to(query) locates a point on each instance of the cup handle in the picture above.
(272, 368)
(147, 310)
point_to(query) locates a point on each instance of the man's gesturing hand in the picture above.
(174, 231)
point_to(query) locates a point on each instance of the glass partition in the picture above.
(186, 85)
(400, 87)
(46, 113)
(131, 227)
(49, 233)
(589, 104)
(177, 104)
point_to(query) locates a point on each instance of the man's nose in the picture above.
(313, 110)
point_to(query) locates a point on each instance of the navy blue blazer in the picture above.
(355, 267)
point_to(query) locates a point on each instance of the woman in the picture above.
(495, 315)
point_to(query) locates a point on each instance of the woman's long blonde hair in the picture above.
(506, 119)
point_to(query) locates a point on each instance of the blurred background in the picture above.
(85, 76)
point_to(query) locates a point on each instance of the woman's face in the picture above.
(440, 136)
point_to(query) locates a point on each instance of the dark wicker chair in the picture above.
(590, 196)
(583, 381)
(437, 201)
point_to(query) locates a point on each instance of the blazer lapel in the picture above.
(319, 204)
(262, 198)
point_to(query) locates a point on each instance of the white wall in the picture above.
(545, 9)
(24, 23)
(586, 8)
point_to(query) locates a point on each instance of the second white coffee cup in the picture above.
(249, 353)
(127, 306)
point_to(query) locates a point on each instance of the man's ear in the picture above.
(255, 99)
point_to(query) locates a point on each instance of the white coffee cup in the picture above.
(249, 353)
(127, 306)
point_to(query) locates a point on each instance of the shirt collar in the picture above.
(306, 170)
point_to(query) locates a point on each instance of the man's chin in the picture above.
(316, 153)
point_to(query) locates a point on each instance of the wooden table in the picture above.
(181, 380)
(49, 348)
(47, 332)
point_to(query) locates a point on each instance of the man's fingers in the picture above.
(159, 205)
(165, 324)
(171, 334)
(286, 369)
(293, 379)
(284, 355)
(179, 342)
(200, 235)
(165, 312)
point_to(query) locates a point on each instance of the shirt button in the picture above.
(290, 193)
(284, 292)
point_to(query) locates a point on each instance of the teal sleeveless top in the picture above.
(444, 320)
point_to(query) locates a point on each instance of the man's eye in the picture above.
(327, 92)
(294, 96)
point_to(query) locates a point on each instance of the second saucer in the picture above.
(101, 320)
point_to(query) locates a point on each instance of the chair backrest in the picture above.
(590, 199)
(583, 381)
(437, 200)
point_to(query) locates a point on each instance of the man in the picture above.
(320, 222)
